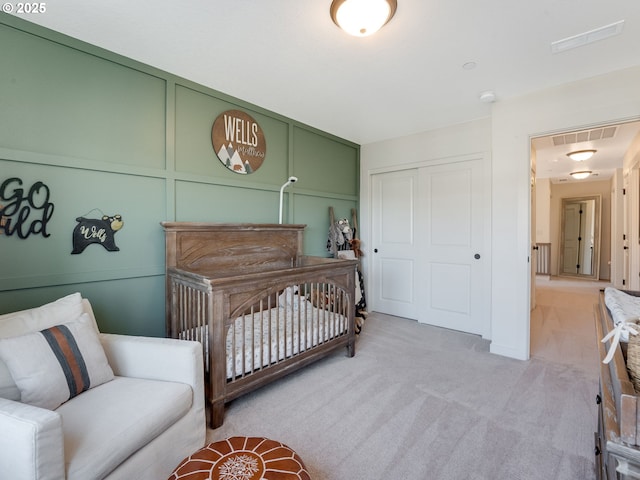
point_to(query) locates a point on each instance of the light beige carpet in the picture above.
(419, 402)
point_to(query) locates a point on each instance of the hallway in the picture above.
(562, 328)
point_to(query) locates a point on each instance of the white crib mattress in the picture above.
(263, 338)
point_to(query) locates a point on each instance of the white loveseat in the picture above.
(139, 424)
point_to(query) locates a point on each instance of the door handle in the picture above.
(477, 256)
(375, 250)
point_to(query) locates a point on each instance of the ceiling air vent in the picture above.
(584, 136)
(609, 132)
(587, 37)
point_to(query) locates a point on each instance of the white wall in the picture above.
(601, 100)
(543, 211)
(631, 183)
(632, 156)
(617, 230)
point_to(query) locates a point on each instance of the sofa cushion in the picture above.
(57, 363)
(32, 320)
(109, 423)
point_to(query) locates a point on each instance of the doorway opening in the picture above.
(553, 186)
(584, 223)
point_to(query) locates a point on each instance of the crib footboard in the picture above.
(257, 327)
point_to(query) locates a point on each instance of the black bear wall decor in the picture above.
(96, 230)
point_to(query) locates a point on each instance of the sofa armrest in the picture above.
(31, 443)
(153, 358)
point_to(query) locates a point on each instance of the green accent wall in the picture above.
(108, 135)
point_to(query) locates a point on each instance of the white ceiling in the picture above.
(289, 57)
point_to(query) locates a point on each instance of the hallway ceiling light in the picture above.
(581, 175)
(581, 155)
(362, 17)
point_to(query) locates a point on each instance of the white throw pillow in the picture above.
(56, 364)
(34, 320)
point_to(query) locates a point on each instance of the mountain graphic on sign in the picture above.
(230, 157)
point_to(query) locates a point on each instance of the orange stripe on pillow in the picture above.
(66, 350)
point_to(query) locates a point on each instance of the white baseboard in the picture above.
(507, 351)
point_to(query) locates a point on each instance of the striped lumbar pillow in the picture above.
(56, 364)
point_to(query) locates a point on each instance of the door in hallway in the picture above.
(572, 238)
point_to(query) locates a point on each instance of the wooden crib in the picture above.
(260, 308)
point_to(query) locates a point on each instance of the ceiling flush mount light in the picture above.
(580, 175)
(362, 17)
(581, 155)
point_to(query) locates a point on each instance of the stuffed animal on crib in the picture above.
(340, 234)
(324, 301)
(355, 246)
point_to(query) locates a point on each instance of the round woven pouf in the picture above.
(242, 458)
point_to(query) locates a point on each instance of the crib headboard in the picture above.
(232, 247)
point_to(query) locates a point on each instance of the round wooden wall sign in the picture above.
(238, 141)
